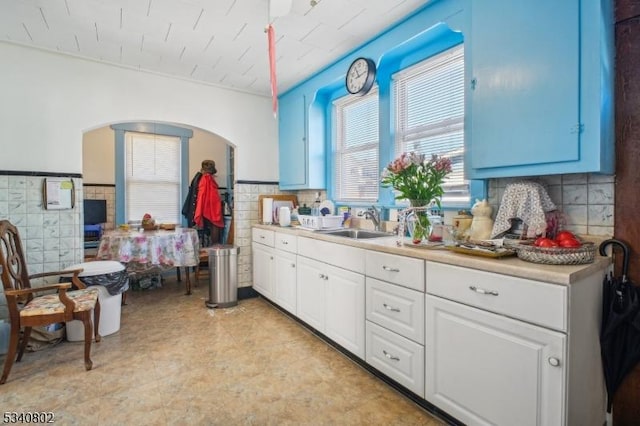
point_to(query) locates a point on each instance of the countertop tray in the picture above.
(483, 253)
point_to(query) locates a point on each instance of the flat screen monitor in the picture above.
(95, 212)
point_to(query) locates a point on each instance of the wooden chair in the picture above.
(27, 310)
(203, 261)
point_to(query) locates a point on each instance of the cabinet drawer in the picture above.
(396, 308)
(347, 257)
(401, 270)
(263, 236)
(286, 242)
(397, 357)
(532, 301)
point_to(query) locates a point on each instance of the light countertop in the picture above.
(512, 265)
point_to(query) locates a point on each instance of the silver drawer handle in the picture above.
(386, 268)
(262, 236)
(389, 356)
(285, 242)
(483, 291)
(390, 308)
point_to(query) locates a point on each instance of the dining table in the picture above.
(145, 250)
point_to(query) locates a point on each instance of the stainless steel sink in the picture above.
(358, 234)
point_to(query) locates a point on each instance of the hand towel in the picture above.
(527, 201)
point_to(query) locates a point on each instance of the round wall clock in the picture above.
(361, 76)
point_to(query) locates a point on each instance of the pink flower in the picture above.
(414, 178)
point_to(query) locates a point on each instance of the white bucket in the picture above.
(110, 308)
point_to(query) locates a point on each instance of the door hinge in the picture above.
(578, 128)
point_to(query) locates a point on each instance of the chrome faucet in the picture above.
(374, 214)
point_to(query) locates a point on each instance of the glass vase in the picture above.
(417, 221)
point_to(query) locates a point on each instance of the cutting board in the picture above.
(279, 197)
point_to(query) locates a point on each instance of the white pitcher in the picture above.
(284, 216)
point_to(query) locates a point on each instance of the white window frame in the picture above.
(446, 123)
(344, 180)
(153, 180)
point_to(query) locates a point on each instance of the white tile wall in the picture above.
(52, 239)
(586, 200)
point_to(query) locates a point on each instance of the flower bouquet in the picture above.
(419, 181)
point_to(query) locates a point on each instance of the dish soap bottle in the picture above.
(315, 211)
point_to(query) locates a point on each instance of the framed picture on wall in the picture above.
(58, 193)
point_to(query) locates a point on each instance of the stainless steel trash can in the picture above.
(223, 276)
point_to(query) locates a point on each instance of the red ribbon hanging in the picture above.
(272, 68)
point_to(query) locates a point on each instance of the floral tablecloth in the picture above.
(164, 249)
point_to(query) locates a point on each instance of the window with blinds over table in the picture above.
(152, 176)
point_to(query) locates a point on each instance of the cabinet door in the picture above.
(525, 82)
(311, 293)
(292, 127)
(263, 270)
(485, 369)
(285, 280)
(344, 314)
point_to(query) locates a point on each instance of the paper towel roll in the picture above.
(267, 211)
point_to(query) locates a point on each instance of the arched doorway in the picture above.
(101, 180)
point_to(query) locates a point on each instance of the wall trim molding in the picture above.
(256, 182)
(36, 173)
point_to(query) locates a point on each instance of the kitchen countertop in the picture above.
(512, 265)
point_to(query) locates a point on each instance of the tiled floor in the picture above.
(176, 362)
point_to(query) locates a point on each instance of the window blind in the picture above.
(152, 177)
(429, 103)
(356, 150)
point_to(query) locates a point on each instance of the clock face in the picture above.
(361, 75)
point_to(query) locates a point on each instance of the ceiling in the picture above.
(219, 42)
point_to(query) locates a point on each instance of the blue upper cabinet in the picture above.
(538, 100)
(540, 88)
(292, 125)
(302, 146)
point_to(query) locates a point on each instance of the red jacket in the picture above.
(208, 203)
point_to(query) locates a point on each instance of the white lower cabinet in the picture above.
(331, 300)
(398, 357)
(487, 369)
(263, 269)
(274, 269)
(484, 347)
(285, 280)
(311, 293)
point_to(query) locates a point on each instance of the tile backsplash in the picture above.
(245, 215)
(103, 192)
(586, 200)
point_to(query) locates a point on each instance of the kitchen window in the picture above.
(356, 150)
(429, 119)
(152, 176)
